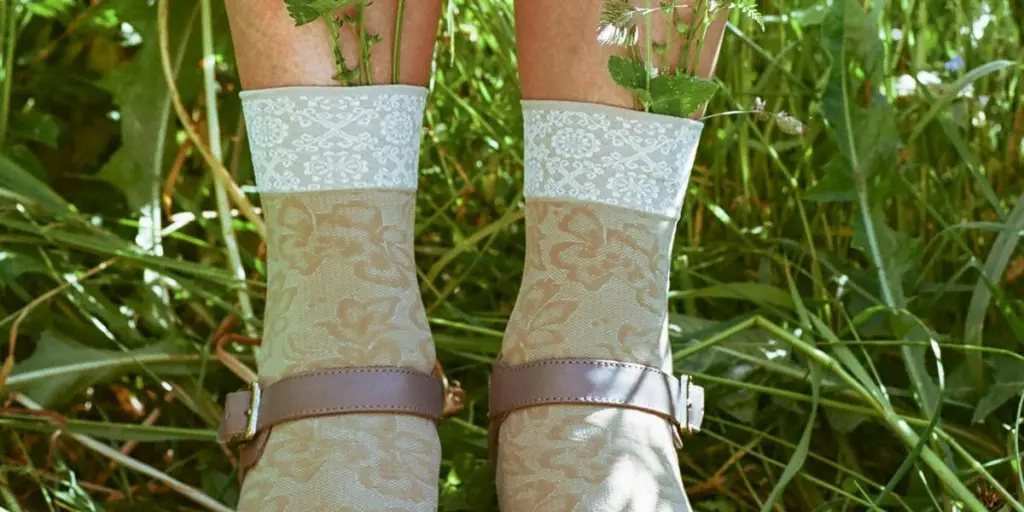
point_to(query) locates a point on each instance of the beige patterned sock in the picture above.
(337, 171)
(604, 188)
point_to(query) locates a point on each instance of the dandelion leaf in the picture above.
(680, 95)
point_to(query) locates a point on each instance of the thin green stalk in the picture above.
(334, 35)
(196, 495)
(364, 45)
(649, 47)
(9, 498)
(8, 24)
(223, 202)
(396, 51)
(896, 423)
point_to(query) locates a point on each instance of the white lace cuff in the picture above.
(609, 155)
(330, 138)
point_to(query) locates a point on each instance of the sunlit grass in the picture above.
(777, 304)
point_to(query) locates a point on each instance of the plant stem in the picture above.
(683, 61)
(334, 34)
(213, 133)
(364, 45)
(649, 54)
(8, 26)
(196, 495)
(219, 172)
(396, 53)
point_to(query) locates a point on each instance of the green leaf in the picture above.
(796, 462)
(1003, 249)
(58, 9)
(954, 89)
(680, 95)
(61, 367)
(23, 186)
(307, 11)
(133, 181)
(141, 92)
(756, 293)
(749, 7)
(900, 252)
(867, 134)
(629, 73)
(835, 187)
(16, 264)
(36, 126)
(1009, 381)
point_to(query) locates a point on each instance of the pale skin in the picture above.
(559, 58)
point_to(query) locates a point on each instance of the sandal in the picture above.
(250, 415)
(594, 382)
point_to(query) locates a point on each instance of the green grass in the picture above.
(851, 297)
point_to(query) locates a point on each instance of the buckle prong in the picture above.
(252, 413)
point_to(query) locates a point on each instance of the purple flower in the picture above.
(955, 64)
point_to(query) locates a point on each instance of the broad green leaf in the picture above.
(867, 135)
(629, 73)
(835, 186)
(842, 420)
(24, 185)
(61, 367)
(1008, 377)
(36, 126)
(796, 462)
(141, 92)
(900, 253)
(1003, 248)
(680, 95)
(306, 11)
(756, 293)
(16, 264)
(132, 180)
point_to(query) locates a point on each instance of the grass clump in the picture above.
(847, 288)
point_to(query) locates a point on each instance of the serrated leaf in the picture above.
(680, 95)
(835, 187)
(900, 252)
(61, 367)
(122, 173)
(867, 135)
(307, 11)
(749, 8)
(141, 92)
(629, 73)
(1008, 379)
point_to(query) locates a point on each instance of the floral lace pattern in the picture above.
(595, 286)
(609, 155)
(337, 168)
(331, 138)
(605, 186)
(341, 291)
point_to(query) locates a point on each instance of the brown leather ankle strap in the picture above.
(325, 393)
(594, 382)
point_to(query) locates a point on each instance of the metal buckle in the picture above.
(689, 407)
(252, 415)
(684, 426)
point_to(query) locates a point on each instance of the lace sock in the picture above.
(337, 170)
(604, 188)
